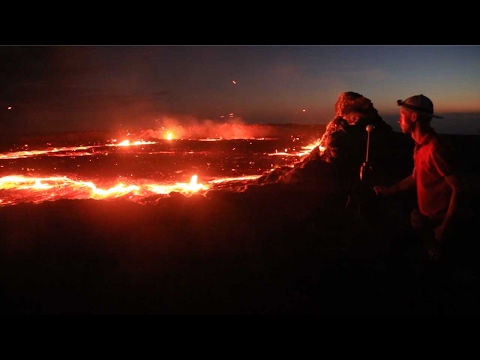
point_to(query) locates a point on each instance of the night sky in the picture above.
(89, 88)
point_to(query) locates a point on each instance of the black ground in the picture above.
(230, 253)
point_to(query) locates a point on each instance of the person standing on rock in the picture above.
(435, 178)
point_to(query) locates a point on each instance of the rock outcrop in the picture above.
(336, 163)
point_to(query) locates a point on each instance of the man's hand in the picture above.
(384, 190)
(405, 184)
(440, 233)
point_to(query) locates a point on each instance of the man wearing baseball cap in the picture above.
(434, 177)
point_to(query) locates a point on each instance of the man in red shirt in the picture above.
(435, 176)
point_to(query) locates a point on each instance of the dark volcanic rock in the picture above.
(356, 132)
(271, 249)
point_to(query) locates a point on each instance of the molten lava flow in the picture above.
(63, 151)
(128, 143)
(191, 187)
(231, 179)
(32, 189)
(68, 151)
(83, 150)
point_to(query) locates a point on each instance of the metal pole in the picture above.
(369, 129)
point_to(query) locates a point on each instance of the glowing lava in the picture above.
(17, 188)
(33, 189)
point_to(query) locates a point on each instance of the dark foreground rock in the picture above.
(271, 249)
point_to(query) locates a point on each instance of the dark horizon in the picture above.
(455, 123)
(460, 123)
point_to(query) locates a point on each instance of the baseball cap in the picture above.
(419, 104)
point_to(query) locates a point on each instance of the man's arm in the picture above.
(453, 208)
(403, 185)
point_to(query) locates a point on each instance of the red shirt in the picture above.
(433, 160)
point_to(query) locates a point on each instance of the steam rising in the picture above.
(207, 129)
